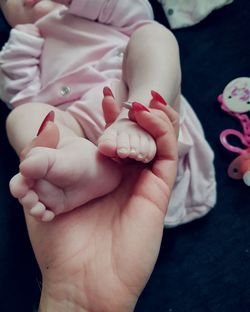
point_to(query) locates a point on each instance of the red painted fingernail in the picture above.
(29, 2)
(157, 97)
(137, 107)
(49, 117)
(107, 92)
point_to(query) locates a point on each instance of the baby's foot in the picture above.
(56, 180)
(125, 139)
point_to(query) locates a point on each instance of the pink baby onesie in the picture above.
(80, 50)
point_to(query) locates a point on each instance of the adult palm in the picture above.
(101, 255)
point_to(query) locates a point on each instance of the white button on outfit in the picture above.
(65, 90)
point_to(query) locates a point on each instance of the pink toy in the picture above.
(235, 100)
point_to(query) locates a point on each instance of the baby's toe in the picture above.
(107, 144)
(147, 149)
(38, 211)
(19, 186)
(134, 141)
(48, 216)
(29, 200)
(143, 152)
(123, 145)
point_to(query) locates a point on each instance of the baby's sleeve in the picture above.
(19, 64)
(119, 13)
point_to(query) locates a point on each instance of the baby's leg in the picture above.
(58, 178)
(151, 62)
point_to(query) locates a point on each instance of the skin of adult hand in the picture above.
(100, 256)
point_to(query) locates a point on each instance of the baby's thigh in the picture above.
(31, 112)
(24, 121)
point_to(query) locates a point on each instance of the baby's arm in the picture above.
(19, 62)
(151, 63)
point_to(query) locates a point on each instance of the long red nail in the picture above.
(137, 107)
(107, 92)
(49, 117)
(30, 2)
(157, 97)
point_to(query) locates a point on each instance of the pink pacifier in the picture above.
(240, 166)
(235, 100)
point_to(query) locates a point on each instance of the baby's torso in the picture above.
(79, 54)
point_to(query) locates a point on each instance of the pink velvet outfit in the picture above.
(80, 51)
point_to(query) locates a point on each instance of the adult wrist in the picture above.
(62, 300)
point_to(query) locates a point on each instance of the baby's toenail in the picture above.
(141, 156)
(123, 151)
(133, 151)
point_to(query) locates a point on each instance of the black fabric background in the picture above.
(203, 266)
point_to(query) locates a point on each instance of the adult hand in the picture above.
(99, 257)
